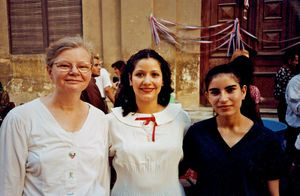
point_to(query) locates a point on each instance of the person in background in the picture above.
(5, 104)
(58, 144)
(92, 94)
(117, 66)
(292, 117)
(250, 105)
(283, 76)
(231, 154)
(103, 82)
(146, 132)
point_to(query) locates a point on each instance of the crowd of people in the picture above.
(67, 143)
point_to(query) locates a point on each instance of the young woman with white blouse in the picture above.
(146, 132)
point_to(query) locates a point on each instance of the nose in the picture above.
(147, 79)
(223, 97)
(74, 69)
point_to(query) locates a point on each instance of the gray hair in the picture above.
(64, 44)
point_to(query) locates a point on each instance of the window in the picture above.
(36, 23)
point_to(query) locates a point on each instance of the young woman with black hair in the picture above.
(146, 132)
(231, 154)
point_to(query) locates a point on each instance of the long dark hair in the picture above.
(126, 97)
(245, 67)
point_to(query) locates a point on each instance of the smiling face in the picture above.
(146, 80)
(73, 80)
(225, 94)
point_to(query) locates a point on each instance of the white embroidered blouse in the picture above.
(38, 157)
(145, 166)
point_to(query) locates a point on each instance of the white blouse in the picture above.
(145, 167)
(38, 157)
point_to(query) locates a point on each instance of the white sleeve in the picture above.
(13, 154)
(293, 95)
(104, 176)
(187, 121)
(105, 78)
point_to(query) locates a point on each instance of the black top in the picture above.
(243, 169)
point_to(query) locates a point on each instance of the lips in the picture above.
(73, 81)
(224, 107)
(147, 90)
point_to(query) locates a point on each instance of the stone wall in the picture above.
(117, 29)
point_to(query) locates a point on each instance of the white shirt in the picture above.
(145, 167)
(103, 81)
(38, 157)
(292, 97)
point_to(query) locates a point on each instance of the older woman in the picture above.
(146, 132)
(57, 145)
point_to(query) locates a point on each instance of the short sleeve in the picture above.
(105, 78)
(13, 154)
(104, 176)
(111, 119)
(275, 162)
(188, 151)
(187, 121)
(293, 95)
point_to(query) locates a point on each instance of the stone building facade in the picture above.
(117, 29)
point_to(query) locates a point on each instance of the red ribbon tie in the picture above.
(147, 121)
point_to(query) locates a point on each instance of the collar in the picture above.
(165, 116)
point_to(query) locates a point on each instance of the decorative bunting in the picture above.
(233, 38)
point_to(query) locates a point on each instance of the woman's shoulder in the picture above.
(173, 112)
(265, 133)
(27, 108)
(23, 115)
(96, 111)
(116, 115)
(203, 125)
(116, 112)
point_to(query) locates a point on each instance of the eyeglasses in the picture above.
(67, 67)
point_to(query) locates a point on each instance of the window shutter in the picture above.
(64, 18)
(26, 26)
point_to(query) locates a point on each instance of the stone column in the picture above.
(5, 70)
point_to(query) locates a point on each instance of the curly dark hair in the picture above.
(126, 97)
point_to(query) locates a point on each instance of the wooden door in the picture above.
(271, 21)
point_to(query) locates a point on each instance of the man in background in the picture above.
(92, 93)
(283, 76)
(292, 117)
(103, 82)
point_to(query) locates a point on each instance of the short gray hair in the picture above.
(64, 44)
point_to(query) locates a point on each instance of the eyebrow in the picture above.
(66, 61)
(213, 89)
(227, 87)
(231, 86)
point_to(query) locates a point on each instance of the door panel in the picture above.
(269, 20)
